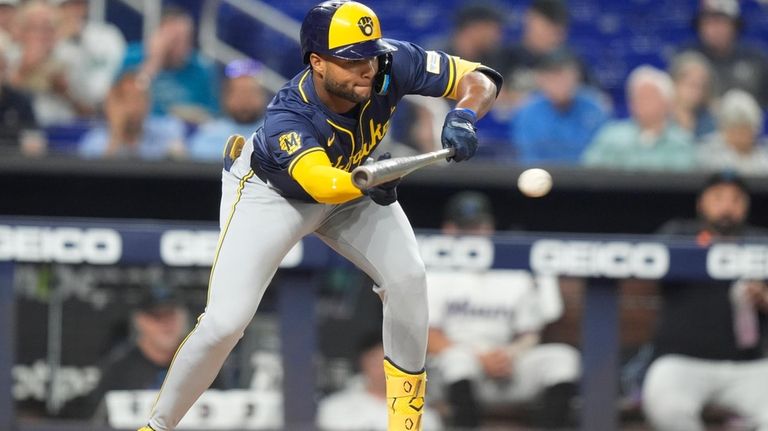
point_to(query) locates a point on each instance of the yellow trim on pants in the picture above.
(240, 188)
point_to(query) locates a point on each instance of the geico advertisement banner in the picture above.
(198, 248)
(96, 246)
(729, 261)
(179, 247)
(612, 259)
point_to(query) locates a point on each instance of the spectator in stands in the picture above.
(692, 75)
(244, 102)
(484, 337)
(160, 320)
(737, 144)
(182, 81)
(736, 64)
(476, 36)
(93, 51)
(36, 69)
(477, 33)
(18, 127)
(649, 140)
(130, 131)
(362, 405)
(545, 29)
(710, 338)
(557, 123)
(7, 15)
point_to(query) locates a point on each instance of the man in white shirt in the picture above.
(484, 338)
(93, 51)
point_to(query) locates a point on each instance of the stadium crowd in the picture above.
(163, 99)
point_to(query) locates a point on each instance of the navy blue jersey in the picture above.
(297, 122)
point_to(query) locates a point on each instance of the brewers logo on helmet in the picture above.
(347, 30)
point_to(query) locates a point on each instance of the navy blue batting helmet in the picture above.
(343, 29)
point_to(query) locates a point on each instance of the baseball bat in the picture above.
(371, 175)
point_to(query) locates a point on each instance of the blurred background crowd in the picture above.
(588, 82)
(639, 85)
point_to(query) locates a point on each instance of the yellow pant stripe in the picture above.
(240, 188)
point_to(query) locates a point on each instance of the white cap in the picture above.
(737, 107)
(729, 8)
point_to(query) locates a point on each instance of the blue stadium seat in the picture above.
(64, 138)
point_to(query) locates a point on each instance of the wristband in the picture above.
(473, 113)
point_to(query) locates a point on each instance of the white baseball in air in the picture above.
(534, 182)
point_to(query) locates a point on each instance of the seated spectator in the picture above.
(484, 338)
(362, 405)
(692, 75)
(736, 64)
(649, 140)
(160, 320)
(556, 124)
(7, 15)
(130, 132)
(545, 29)
(93, 52)
(709, 342)
(477, 33)
(244, 103)
(18, 127)
(183, 82)
(476, 36)
(37, 70)
(737, 144)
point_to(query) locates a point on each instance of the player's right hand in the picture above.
(496, 363)
(384, 194)
(460, 133)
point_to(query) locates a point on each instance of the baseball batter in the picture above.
(292, 178)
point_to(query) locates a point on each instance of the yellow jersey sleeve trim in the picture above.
(301, 86)
(299, 156)
(326, 184)
(463, 67)
(451, 67)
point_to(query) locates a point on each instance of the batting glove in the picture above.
(384, 194)
(459, 133)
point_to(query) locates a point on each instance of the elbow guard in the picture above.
(493, 75)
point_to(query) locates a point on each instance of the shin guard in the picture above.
(405, 398)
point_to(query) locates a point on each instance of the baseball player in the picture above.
(292, 178)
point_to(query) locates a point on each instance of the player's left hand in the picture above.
(384, 194)
(460, 133)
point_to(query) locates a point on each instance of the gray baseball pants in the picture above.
(258, 228)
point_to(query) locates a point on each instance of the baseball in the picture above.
(534, 182)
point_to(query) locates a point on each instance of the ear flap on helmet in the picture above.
(382, 79)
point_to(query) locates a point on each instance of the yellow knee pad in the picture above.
(405, 398)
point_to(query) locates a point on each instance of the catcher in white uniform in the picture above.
(292, 179)
(485, 332)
